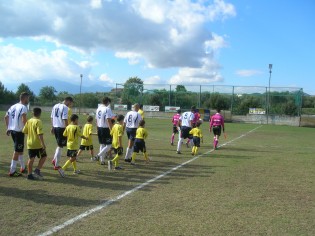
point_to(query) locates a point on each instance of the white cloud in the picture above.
(133, 58)
(248, 73)
(96, 4)
(106, 78)
(20, 65)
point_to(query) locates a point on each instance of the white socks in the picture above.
(103, 151)
(57, 156)
(13, 166)
(21, 160)
(128, 153)
(179, 144)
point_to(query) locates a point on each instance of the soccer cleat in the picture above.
(61, 172)
(103, 163)
(15, 174)
(172, 143)
(118, 168)
(110, 165)
(37, 172)
(23, 170)
(127, 160)
(132, 163)
(178, 152)
(96, 158)
(57, 167)
(76, 172)
(31, 177)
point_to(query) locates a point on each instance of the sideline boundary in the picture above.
(117, 198)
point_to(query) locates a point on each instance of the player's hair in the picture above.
(136, 105)
(24, 95)
(90, 119)
(74, 117)
(218, 110)
(179, 111)
(68, 99)
(141, 106)
(120, 118)
(193, 108)
(141, 123)
(106, 100)
(113, 121)
(198, 123)
(37, 111)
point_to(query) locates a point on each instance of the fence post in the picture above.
(200, 96)
(232, 101)
(169, 98)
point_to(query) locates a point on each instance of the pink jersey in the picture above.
(217, 120)
(175, 119)
(196, 117)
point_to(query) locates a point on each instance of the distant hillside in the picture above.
(61, 86)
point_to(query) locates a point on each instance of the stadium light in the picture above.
(268, 104)
(80, 94)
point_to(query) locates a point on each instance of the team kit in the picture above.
(110, 132)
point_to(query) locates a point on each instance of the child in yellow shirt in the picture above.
(35, 144)
(73, 133)
(87, 144)
(139, 144)
(117, 134)
(197, 136)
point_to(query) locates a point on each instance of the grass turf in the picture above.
(262, 183)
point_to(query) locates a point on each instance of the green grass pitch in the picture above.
(259, 184)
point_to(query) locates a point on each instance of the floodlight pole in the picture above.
(268, 104)
(80, 94)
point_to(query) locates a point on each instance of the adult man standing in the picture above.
(131, 123)
(104, 125)
(185, 121)
(15, 119)
(59, 120)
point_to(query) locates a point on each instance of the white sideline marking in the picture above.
(117, 198)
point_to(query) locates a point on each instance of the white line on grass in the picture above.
(117, 198)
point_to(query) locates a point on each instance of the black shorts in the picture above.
(216, 130)
(104, 136)
(32, 153)
(185, 132)
(175, 129)
(72, 153)
(139, 146)
(61, 140)
(196, 141)
(131, 133)
(118, 151)
(82, 147)
(18, 139)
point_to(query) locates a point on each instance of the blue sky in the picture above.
(162, 42)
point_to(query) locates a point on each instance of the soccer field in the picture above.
(259, 182)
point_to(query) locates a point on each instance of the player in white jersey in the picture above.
(185, 122)
(104, 116)
(131, 123)
(15, 120)
(59, 120)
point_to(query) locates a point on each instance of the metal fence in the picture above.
(237, 99)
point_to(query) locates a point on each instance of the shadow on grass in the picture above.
(43, 197)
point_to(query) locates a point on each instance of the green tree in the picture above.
(6, 96)
(180, 88)
(133, 89)
(24, 88)
(47, 94)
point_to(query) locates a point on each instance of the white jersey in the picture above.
(132, 119)
(186, 118)
(15, 117)
(58, 115)
(102, 114)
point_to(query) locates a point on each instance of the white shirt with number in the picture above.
(132, 119)
(15, 113)
(186, 118)
(102, 114)
(59, 114)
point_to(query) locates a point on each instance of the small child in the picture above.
(87, 144)
(139, 144)
(35, 144)
(197, 136)
(72, 132)
(117, 134)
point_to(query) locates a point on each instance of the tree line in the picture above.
(281, 103)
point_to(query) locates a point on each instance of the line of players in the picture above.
(67, 133)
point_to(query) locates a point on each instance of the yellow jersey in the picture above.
(142, 133)
(196, 132)
(33, 128)
(73, 133)
(116, 132)
(141, 112)
(87, 131)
